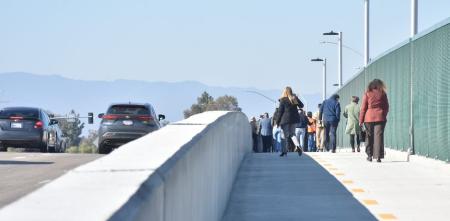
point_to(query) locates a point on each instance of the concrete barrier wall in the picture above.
(184, 171)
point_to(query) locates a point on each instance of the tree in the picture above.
(205, 99)
(72, 128)
(227, 103)
(207, 103)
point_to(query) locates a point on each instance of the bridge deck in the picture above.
(342, 186)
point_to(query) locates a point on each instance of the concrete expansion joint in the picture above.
(112, 170)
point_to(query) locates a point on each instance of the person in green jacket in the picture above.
(351, 112)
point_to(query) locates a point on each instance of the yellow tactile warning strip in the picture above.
(358, 190)
(366, 202)
(387, 216)
(347, 181)
(370, 202)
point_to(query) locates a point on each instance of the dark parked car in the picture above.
(123, 123)
(61, 140)
(27, 127)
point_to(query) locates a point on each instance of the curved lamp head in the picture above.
(331, 33)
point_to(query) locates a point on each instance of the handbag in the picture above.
(363, 134)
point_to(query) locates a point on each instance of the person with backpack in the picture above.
(288, 118)
(301, 129)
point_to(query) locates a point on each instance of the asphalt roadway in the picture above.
(22, 173)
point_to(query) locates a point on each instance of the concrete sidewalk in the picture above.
(341, 186)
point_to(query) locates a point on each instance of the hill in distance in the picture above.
(60, 95)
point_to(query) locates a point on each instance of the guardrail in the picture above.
(184, 171)
(417, 74)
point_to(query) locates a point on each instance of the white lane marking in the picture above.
(44, 181)
(19, 157)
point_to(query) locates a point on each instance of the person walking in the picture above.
(288, 117)
(301, 129)
(330, 112)
(265, 129)
(276, 131)
(276, 139)
(311, 133)
(374, 111)
(351, 112)
(254, 134)
(320, 130)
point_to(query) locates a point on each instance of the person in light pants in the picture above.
(320, 131)
(300, 130)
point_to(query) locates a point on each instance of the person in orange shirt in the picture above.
(311, 132)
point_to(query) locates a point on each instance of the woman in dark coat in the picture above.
(288, 117)
(374, 110)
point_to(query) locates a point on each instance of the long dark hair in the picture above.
(376, 84)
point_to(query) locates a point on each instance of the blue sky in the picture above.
(246, 43)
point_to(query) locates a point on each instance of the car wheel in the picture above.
(51, 149)
(3, 148)
(103, 149)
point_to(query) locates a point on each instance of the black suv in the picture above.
(123, 123)
(27, 127)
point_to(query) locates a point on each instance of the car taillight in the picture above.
(110, 117)
(16, 118)
(144, 118)
(38, 124)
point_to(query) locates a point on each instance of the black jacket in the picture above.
(287, 112)
(303, 121)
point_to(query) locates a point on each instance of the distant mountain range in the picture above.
(60, 95)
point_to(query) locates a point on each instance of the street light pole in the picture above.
(366, 32)
(324, 80)
(340, 59)
(414, 17)
(339, 54)
(344, 46)
(324, 76)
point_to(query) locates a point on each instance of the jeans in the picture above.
(352, 140)
(267, 143)
(300, 133)
(330, 135)
(288, 132)
(255, 142)
(311, 142)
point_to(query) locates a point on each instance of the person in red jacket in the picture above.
(373, 115)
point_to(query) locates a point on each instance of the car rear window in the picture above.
(17, 112)
(129, 109)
